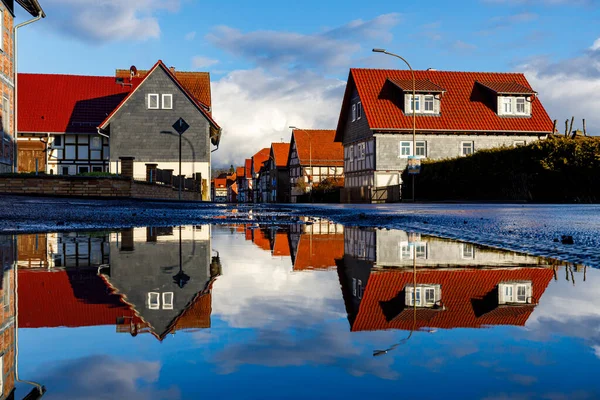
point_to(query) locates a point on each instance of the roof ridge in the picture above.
(69, 75)
(441, 70)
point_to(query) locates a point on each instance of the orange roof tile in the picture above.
(459, 290)
(261, 240)
(318, 251)
(197, 83)
(248, 168)
(220, 182)
(420, 85)
(197, 315)
(465, 106)
(240, 172)
(280, 152)
(506, 87)
(320, 145)
(281, 246)
(259, 158)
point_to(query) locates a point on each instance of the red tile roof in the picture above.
(197, 315)
(220, 182)
(507, 87)
(196, 83)
(465, 107)
(420, 85)
(320, 144)
(261, 240)
(280, 152)
(67, 103)
(459, 289)
(259, 158)
(240, 172)
(47, 299)
(234, 188)
(318, 251)
(248, 168)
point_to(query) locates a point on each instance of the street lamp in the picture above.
(310, 156)
(414, 112)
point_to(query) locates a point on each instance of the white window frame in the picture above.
(462, 148)
(157, 97)
(513, 288)
(507, 102)
(167, 96)
(411, 101)
(6, 115)
(353, 112)
(153, 305)
(467, 251)
(424, 145)
(421, 251)
(421, 295)
(167, 305)
(524, 103)
(425, 101)
(351, 153)
(519, 143)
(361, 151)
(358, 110)
(410, 149)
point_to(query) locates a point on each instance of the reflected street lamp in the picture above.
(414, 95)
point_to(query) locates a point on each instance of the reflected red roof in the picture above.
(318, 147)
(459, 289)
(281, 247)
(318, 251)
(47, 299)
(261, 240)
(465, 106)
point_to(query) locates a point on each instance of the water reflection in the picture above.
(313, 298)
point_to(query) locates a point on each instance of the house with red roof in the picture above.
(257, 163)
(314, 157)
(9, 81)
(219, 190)
(275, 177)
(245, 183)
(87, 123)
(457, 114)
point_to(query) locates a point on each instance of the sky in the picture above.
(274, 64)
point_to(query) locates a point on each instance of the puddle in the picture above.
(309, 310)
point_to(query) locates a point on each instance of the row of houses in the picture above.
(383, 124)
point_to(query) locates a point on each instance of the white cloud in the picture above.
(107, 20)
(333, 48)
(203, 62)
(569, 87)
(190, 35)
(256, 108)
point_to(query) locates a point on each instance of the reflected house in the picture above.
(165, 276)
(441, 292)
(317, 245)
(281, 244)
(7, 319)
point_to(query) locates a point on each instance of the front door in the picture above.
(29, 152)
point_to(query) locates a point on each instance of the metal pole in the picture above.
(180, 166)
(310, 165)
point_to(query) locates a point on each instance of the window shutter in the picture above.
(436, 105)
(500, 104)
(407, 105)
(528, 107)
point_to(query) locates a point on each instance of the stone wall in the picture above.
(94, 187)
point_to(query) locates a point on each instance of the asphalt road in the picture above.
(535, 229)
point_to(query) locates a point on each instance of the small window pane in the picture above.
(167, 299)
(429, 103)
(83, 170)
(167, 100)
(507, 103)
(153, 301)
(82, 152)
(83, 139)
(70, 139)
(70, 152)
(467, 148)
(421, 149)
(57, 141)
(405, 148)
(520, 105)
(96, 143)
(153, 101)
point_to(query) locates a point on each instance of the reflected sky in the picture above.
(312, 310)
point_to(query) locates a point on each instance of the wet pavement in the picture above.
(304, 309)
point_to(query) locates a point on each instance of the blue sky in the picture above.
(276, 64)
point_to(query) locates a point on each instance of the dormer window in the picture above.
(427, 99)
(514, 99)
(427, 296)
(515, 293)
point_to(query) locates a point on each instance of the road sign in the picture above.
(414, 165)
(181, 126)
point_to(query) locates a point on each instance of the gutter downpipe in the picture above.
(16, 95)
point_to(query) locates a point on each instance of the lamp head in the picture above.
(378, 50)
(293, 127)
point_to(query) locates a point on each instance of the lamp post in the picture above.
(414, 112)
(309, 156)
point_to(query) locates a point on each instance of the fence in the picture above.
(365, 194)
(165, 177)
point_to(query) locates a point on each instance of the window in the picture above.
(421, 251)
(167, 299)
(97, 169)
(351, 152)
(167, 101)
(358, 110)
(428, 103)
(96, 143)
(514, 292)
(405, 252)
(153, 301)
(405, 149)
(467, 148)
(83, 170)
(507, 105)
(423, 295)
(360, 151)
(353, 112)
(64, 171)
(69, 152)
(421, 149)
(357, 288)
(468, 251)
(58, 142)
(520, 105)
(153, 101)
(519, 143)
(416, 102)
(5, 114)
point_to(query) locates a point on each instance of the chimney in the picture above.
(431, 69)
(172, 69)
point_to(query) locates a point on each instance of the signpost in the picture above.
(180, 127)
